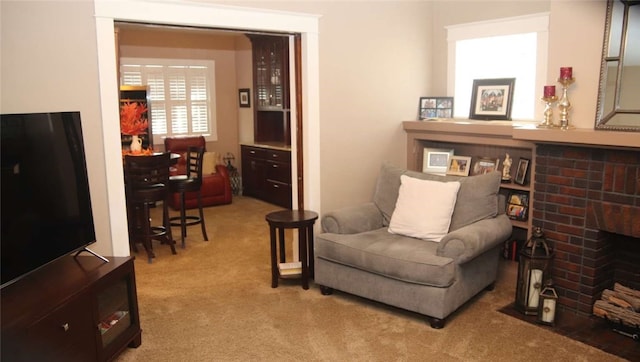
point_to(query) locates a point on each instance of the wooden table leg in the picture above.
(283, 257)
(302, 238)
(310, 252)
(274, 261)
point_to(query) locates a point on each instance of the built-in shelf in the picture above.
(476, 139)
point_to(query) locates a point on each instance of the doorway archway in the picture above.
(202, 15)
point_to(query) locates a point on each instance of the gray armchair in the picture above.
(357, 254)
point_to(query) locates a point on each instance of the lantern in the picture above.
(547, 304)
(533, 268)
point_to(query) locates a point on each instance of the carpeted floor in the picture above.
(214, 302)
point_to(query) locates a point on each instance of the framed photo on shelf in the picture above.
(518, 205)
(436, 160)
(521, 171)
(459, 165)
(244, 97)
(485, 165)
(435, 107)
(491, 99)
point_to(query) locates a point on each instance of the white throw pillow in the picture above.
(424, 208)
(209, 161)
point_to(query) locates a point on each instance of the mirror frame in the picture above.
(603, 119)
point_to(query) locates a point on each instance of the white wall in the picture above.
(376, 60)
(578, 44)
(48, 63)
(375, 63)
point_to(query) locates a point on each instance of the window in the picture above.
(503, 48)
(181, 95)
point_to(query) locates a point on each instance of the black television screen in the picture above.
(46, 208)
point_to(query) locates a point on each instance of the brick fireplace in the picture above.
(587, 201)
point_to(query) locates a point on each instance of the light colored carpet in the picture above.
(214, 302)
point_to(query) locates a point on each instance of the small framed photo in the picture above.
(436, 160)
(518, 198)
(459, 166)
(521, 171)
(435, 107)
(485, 165)
(517, 212)
(518, 205)
(244, 97)
(491, 99)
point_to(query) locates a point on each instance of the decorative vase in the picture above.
(136, 144)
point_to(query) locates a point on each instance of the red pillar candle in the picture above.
(566, 72)
(549, 91)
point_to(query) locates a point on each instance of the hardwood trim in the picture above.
(299, 120)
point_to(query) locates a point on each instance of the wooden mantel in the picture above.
(527, 132)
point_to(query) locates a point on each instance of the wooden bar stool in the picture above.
(147, 182)
(190, 182)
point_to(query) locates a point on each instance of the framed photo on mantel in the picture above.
(491, 99)
(435, 107)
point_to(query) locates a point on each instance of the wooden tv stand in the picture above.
(74, 309)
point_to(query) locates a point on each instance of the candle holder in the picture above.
(564, 105)
(548, 112)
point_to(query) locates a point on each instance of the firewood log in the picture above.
(620, 299)
(614, 313)
(631, 296)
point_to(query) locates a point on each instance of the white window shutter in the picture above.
(181, 94)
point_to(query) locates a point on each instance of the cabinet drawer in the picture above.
(253, 152)
(66, 334)
(279, 156)
(278, 193)
(278, 171)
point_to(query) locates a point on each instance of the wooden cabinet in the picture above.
(272, 122)
(74, 309)
(266, 174)
(478, 140)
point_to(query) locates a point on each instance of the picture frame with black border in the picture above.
(517, 212)
(436, 160)
(435, 108)
(244, 97)
(459, 165)
(491, 99)
(518, 205)
(521, 171)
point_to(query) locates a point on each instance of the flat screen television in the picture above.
(46, 207)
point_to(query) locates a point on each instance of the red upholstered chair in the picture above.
(216, 185)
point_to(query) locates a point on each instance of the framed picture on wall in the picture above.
(491, 99)
(436, 160)
(435, 107)
(244, 97)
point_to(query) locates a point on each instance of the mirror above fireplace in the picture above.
(618, 101)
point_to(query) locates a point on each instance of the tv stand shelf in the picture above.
(73, 309)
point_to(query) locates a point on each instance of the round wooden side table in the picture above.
(302, 220)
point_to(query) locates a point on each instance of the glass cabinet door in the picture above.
(271, 59)
(114, 311)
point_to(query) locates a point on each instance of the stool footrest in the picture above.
(190, 220)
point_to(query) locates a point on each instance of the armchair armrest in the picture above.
(352, 220)
(468, 242)
(222, 170)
